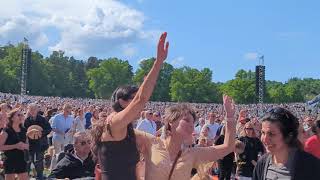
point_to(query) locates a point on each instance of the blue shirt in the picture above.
(88, 117)
(63, 124)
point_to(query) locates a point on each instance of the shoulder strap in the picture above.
(174, 164)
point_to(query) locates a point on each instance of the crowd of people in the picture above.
(130, 138)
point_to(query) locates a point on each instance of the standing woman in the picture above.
(79, 121)
(285, 158)
(114, 140)
(13, 143)
(253, 147)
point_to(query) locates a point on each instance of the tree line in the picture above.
(60, 75)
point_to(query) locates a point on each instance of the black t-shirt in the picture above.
(253, 146)
(227, 161)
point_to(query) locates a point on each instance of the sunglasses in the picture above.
(83, 143)
(278, 112)
(248, 128)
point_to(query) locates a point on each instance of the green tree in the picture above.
(10, 67)
(108, 76)
(162, 89)
(242, 88)
(191, 85)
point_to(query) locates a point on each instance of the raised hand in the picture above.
(229, 106)
(163, 46)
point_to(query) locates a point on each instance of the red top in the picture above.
(312, 146)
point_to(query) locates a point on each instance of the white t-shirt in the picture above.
(147, 126)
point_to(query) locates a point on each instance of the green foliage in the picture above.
(59, 75)
(108, 76)
(191, 85)
(162, 89)
(242, 88)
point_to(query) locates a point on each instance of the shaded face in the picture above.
(249, 130)
(149, 115)
(156, 117)
(308, 121)
(272, 138)
(212, 117)
(205, 132)
(125, 102)
(67, 110)
(82, 145)
(18, 117)
(185, 126)
(33, 110)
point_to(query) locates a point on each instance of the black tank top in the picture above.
(118, 159)
(14, 138)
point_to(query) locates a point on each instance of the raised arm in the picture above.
(212, 153)
(120, 120)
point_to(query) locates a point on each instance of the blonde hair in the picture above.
(243, 132)
(174, 113)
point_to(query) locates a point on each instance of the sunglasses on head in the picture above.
(278, 111)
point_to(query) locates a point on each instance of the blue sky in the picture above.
(223, 35)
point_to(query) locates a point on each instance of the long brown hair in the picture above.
(11, 115)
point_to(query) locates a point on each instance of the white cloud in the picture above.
(251, 56)
(177, 62)
(18, 27)
(84, 27)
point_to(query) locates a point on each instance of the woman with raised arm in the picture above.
(170, 158)
(114, 140)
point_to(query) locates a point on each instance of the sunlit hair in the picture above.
(243, 133)
(176, 112)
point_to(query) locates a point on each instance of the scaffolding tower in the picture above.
(260, 80)
(25, 66)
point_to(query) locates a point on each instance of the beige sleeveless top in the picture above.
(158, 163)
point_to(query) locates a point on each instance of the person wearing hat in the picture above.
(37, 130)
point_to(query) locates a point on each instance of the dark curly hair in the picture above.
(288, 124)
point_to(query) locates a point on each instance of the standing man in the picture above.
(61, 124)
(212, 125)
(38, 144)
(148, 125)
